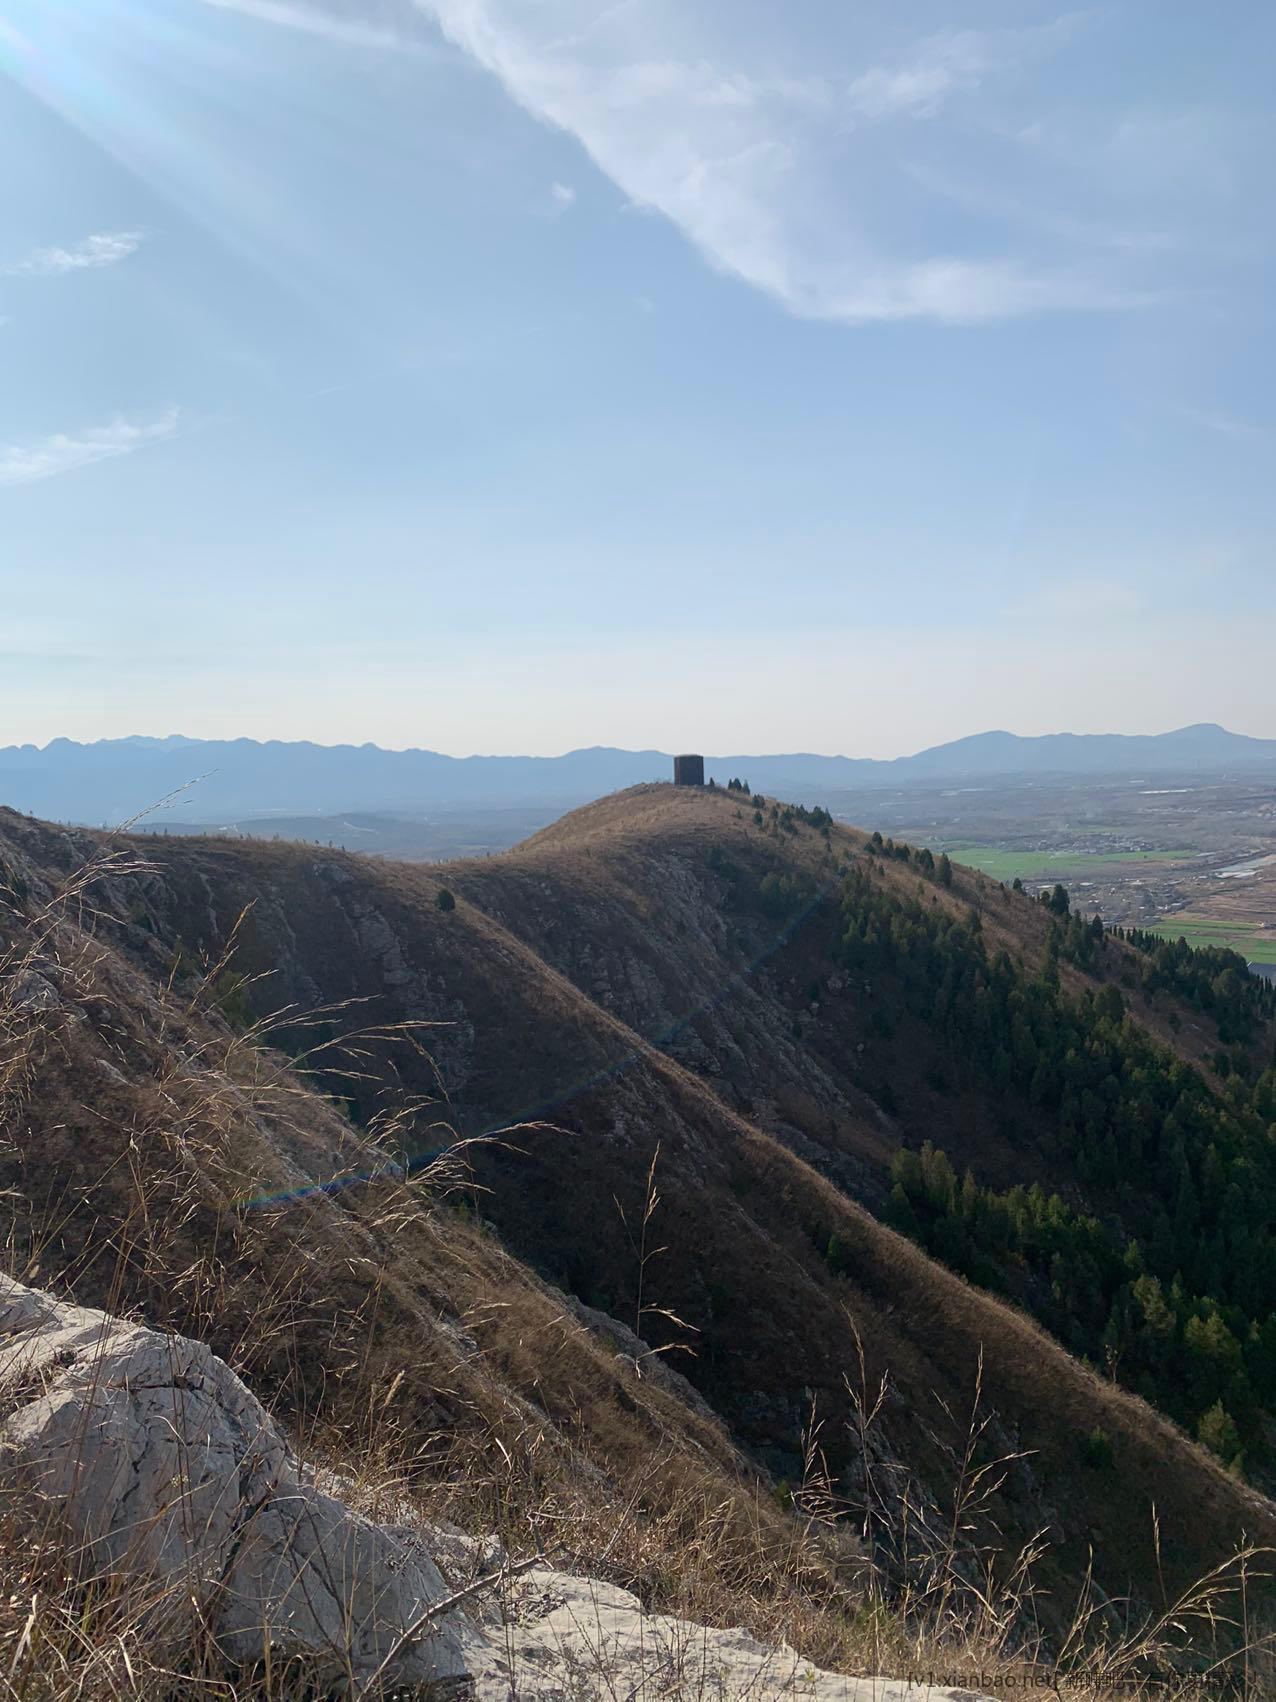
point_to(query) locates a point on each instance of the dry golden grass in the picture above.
(157, 1161)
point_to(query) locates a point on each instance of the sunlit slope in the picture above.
(1076, 1121)
(772, 1269)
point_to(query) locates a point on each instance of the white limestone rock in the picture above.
(155, 1460)
(553, 1637)
(162, 1465)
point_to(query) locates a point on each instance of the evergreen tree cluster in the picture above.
(1162, 1269)
(888, 848)
(780, 892)
(787, 817)
(1214, 979)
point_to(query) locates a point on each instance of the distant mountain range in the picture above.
(113, 780)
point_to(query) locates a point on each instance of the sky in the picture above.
(516, 375)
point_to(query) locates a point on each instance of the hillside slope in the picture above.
(1077, 1120)
(630, 976)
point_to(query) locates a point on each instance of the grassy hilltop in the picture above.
(791, 1151)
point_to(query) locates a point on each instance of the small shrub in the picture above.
(1216, 1430)
(1096, 1449)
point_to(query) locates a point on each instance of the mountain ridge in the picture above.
(206, 781)
(653, 975)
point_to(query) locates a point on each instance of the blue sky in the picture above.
(509, 375)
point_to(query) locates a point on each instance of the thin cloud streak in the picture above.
(941, 66)
(1227, 425)
(104, 248)
(754, 170)
(329, 21)
(777, 179)
(25, 464)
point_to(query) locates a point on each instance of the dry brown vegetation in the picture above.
(172, 1029)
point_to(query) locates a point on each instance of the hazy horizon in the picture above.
(725, 751)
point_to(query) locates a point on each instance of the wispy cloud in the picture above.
(104, 248)
(939, 67)
(1228, 425)
(796, 159)
(554, 202)
(353, 25)
(24, 463)
(778, 179)
(774, 179)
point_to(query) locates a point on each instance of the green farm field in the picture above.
(1006, 865)
(1253, 942)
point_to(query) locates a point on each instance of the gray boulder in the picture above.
(151, 1459)
(158, 1464)
(555, 1637)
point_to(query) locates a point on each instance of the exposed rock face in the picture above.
(161, 1465)
(164, 1466)
(560, 1638)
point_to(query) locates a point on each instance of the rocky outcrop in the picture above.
(559, 1638)
(159, 1464)
(154, 1462)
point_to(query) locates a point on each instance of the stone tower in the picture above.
(688, 771)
